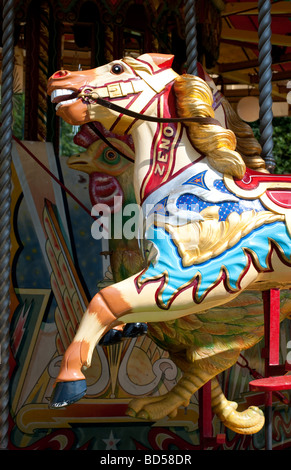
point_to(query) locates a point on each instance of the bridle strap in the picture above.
(144, 117)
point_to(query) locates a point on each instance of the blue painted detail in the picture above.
(189, 201)
(220, 186)
(234, 260)
(198, 180)
(160, 207)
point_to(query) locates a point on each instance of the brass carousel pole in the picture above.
(191, 36)
(5, 185)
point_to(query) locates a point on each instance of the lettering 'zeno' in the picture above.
(163, 148)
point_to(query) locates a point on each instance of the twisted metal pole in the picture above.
(5, 187)
(191, 36)
(266, 139)
(265, 83)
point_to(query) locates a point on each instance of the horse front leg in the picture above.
(109, 308)
(113, 306)
(101, 315)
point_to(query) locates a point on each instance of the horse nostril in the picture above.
(60, 74)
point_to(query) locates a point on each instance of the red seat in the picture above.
(271, 384)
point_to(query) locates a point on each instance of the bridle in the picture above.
(114, 107)
(144, 117)
(93, 95)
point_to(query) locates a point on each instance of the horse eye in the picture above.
(117, 69)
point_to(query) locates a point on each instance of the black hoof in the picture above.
(111, 337)
(66, 393)
(132, 330)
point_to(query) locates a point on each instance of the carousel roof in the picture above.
(238, 62)
(237, 65)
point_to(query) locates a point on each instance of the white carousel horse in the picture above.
(214, 229)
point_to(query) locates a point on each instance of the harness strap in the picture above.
(144, 117)
(114, 107)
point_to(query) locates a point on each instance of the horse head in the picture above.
(131, 82)
(136, 85)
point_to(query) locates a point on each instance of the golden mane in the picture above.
(194, 99)
(247, 144)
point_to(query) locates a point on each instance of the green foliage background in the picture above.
(281, 142)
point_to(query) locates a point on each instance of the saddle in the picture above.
(274, 191)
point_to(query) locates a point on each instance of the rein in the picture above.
(143, 117)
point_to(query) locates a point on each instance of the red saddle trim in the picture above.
(274, 186)
(252, 179)
(281, 197)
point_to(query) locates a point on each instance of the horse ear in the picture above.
(157, 61)
(204, 75)
(201, 71)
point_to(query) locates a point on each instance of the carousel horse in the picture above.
(216, 233)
